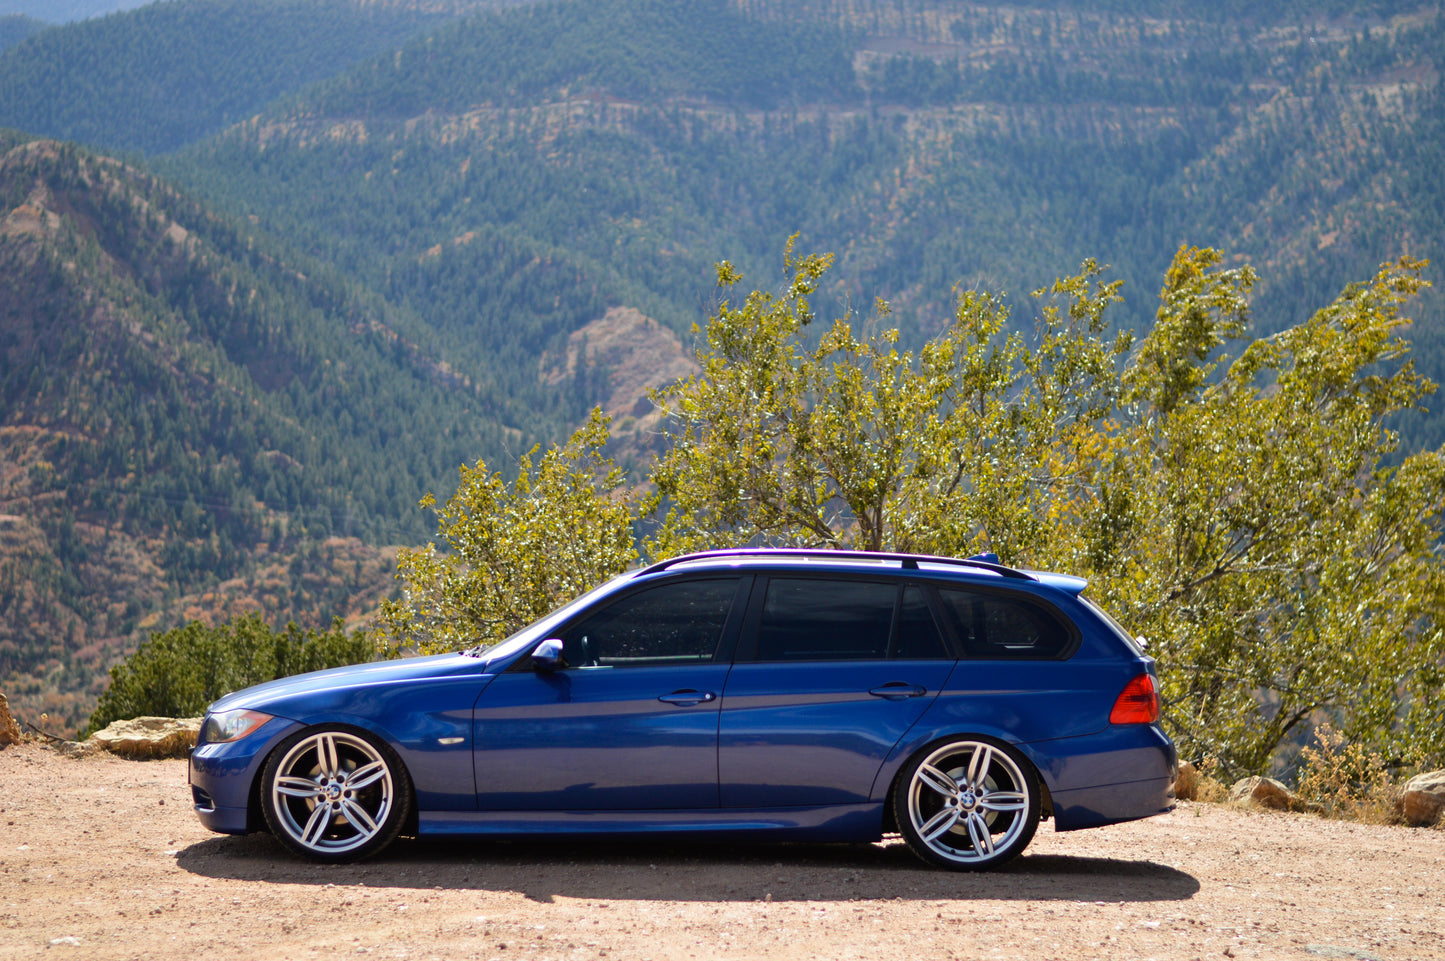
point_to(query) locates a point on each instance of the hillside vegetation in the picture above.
(930, 145)
(397, 224)
(186, 409)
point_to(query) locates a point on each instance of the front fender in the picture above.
(427, 722)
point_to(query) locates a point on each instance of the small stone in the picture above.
(1264, 792)
(77, 748)
(71, 941)
(1186, 785)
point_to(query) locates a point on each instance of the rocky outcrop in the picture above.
(1423, 801)
(143, 737)
(9, 730)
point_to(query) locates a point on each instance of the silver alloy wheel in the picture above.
(332, 793)
(969, 803)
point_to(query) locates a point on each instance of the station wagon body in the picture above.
(798, 695)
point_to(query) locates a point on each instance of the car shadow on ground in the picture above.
(613, 870)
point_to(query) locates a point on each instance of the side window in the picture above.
(918, 637)
(825, 620)
(996, 626)
(676, 623)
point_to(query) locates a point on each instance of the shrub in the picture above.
(176, 673)
(1348, 781)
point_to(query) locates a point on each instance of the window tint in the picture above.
(823, 620)
(668, 624)
(918, 637)
(998, 626)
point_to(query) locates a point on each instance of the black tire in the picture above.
(335, 794)
(967, 803)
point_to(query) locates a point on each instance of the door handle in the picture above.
(898, 691)
(688, 698)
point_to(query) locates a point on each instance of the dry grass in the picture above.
(1197, 782)
(1347, 781)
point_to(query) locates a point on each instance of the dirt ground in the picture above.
(103, 858)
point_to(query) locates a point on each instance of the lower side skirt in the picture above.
(842, 822)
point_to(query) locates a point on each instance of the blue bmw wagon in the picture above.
(798, 695)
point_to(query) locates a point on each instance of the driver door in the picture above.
(629, 722)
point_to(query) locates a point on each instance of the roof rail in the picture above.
(906, 561)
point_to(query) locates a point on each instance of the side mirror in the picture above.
(547, 656)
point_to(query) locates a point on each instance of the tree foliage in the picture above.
(513, 550)
(177, 673)
(1245, 512)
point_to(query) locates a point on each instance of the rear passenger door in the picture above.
(831, 672)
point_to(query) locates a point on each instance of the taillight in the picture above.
(1138, 703)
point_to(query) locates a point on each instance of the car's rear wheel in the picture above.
(967, 803)
(335, 794)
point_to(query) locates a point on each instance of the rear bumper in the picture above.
(1112, 803)
(1124, 773)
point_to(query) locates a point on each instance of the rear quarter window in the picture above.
(997, 626)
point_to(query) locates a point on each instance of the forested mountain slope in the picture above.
(191, 419)
(930, 144)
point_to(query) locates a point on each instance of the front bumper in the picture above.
(223, 777)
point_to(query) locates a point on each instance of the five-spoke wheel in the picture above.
(334, 794)
(967, 803)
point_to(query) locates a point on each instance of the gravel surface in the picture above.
(103, 858)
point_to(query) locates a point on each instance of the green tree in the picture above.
(1281, 560)
(852, 442)
(514, 551)
(1244, 513)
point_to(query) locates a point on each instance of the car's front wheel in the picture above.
(967, 803)
(334, 794)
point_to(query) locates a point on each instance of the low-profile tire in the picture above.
(335, 794)
(967, 803)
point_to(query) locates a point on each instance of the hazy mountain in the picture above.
(65, 11)
(172, 72)
(16, 27)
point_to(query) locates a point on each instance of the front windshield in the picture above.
(540, 628)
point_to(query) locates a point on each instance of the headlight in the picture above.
(231, 725)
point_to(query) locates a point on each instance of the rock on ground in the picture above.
(1423, 801)
(146, 737)
(1264, 792)
(9, 730)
